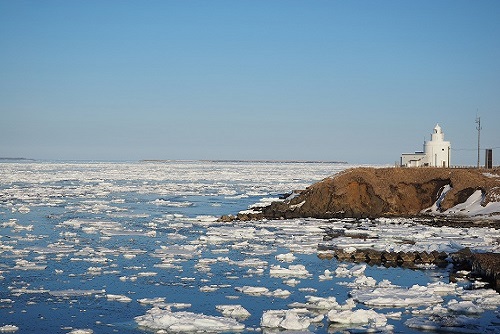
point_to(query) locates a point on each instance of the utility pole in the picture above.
(478, 127)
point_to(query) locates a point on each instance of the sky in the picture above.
(356, 81)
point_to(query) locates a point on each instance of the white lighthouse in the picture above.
(436, 152)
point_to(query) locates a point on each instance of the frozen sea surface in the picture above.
(135, 248)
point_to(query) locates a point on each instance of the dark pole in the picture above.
(478, 127)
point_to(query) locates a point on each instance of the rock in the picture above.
(359, 255)
(407, 256)
(426, 257)
(226, 218)
(390, 256)
(342, 256)
(439, 255)
(485, 265)
(374, 255)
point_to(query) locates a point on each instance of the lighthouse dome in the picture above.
(437, 129)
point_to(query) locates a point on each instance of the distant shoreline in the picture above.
(15, 159)
(254, 161)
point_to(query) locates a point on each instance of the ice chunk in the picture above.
(162, 202)
(27, 265)
(253, 291)
(23, 209)
(178, 322)
(280, 293)
(485, 298)
(464, 307)
(285, 319)
(209, 288)
(317, 303)
(442, 288)
(326, 276)
(81, 331)
(233, 311)
(262, 291)
(356, 270)
(74, 293)
(363, 281)
(297, 270)
(291, 282)
(396, 296)
(119, 298)
(444, 323)
(151, 301)
(288, 257)
(9, 329)
(357, 317)
(94, 270)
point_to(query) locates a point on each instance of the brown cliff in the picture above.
(385, 192)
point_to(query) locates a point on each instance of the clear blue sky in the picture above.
(360, 81)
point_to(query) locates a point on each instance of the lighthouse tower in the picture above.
(437, 150)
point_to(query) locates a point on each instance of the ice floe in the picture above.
(288, 257)
(464, 307)
(444, 323)
(294, 319)
(74, 293)
(163, 202)
(298, 271)
(319, 304)
(359, 316)
(182, 321)
(233, 311)
(119, 298)
(343, 270)
(9, 329)
(396, 296)
(263, 291)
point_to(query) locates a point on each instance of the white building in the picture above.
(436, 152)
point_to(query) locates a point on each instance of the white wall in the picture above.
(412, 159)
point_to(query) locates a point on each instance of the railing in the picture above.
(453, 167)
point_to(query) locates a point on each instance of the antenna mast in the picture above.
(478, 127)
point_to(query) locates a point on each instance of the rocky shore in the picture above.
(392, 192)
